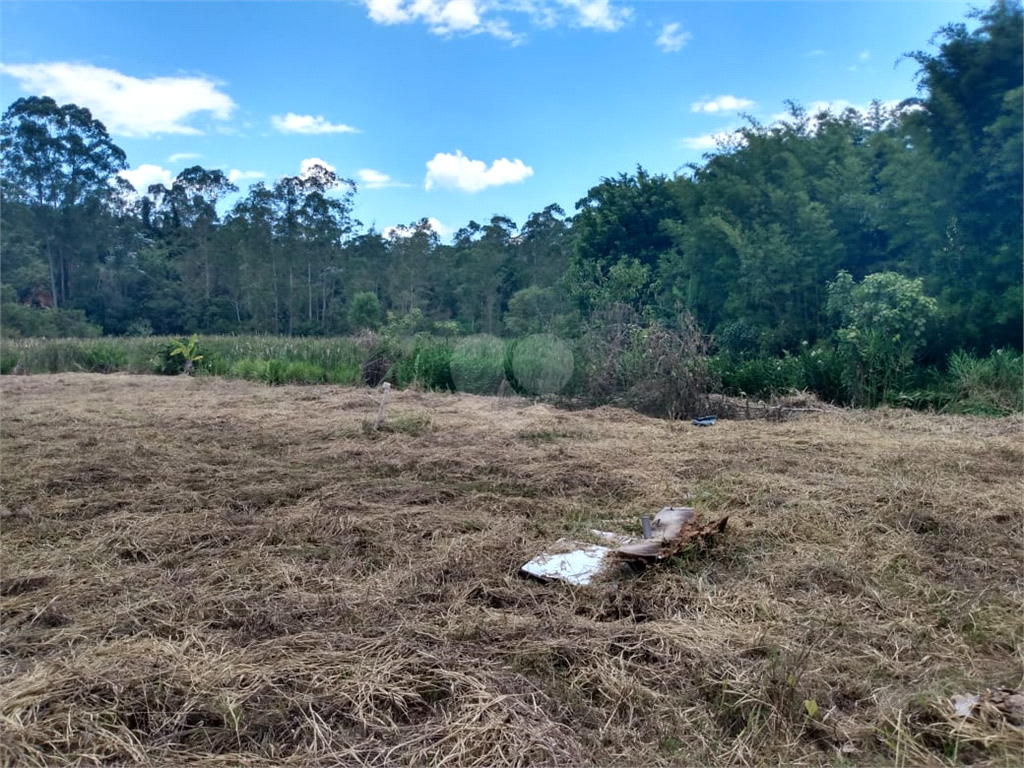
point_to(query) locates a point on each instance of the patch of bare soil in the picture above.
(211, 572)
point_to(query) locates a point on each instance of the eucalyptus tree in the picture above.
(186, 216)
(58, 161)
(482, 259)
(412, 270)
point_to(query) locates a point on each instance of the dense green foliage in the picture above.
(847, 252)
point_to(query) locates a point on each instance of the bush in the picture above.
(432, 366)
(477, 364)
(626, 361)
(364, 311)
(759, 377)
(345, 374)
(991, 386)
(105, 357)
(541, 364)
(166, 362)
(18, 321)
(8, 362)
(284, 372)
(249, 369)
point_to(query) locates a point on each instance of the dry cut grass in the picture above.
(211, 572)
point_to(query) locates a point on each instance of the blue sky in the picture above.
(451, 109)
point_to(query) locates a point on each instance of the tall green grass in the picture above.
(626, 368)
(992, 385)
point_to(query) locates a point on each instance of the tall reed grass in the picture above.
(594, 369)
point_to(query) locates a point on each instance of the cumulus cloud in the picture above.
(459, 172)
(671, 38)
(179, 156)
(146, 175)
(126, 105)
(293, 123)
(446, 17)
(599, 14)
(388, 11)
(442, 16)
(310, 162)
(402, 231)
(372, 179)
(721, 104)
(235, 175)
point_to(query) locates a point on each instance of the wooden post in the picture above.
(386, 386)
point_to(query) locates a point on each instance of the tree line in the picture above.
(755, 242)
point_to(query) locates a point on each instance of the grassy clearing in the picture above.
(210, 572)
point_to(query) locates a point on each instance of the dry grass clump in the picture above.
(211, 572)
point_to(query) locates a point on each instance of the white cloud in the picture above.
(671, 39)
(179, 156)
(815, 52)
(442, 16)
(599, 14)
(709, 141)
(127, 106)
(402, 231)
(437, 226)
(864, 55)
(307, 165)
(146, 175)
(721, 104)
(235, 175)
(459, 172)
(446, 17)
(372, 179)
(293, 123)
(388, 11)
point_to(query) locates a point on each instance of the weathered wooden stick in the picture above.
(383, 401)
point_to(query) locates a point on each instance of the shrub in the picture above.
(284, 372)
(477, 364)
(432, 366)
(104, 357)
(883, 321)
(643, 365)
(346, 374)
(247, 368)
(992, 385)
(8, 362)
(167, 362)
(541, 364)
(364, 310)
(17, 320)
(758, 377)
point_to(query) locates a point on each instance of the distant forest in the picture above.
(747, 242)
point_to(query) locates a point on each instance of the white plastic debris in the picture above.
(964, 704)
(577, 567)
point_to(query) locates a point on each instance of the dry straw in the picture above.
(208, 572)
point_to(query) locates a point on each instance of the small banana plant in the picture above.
(189, 352)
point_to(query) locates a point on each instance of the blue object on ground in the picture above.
(705, 421)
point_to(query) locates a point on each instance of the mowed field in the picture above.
(213, 572)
